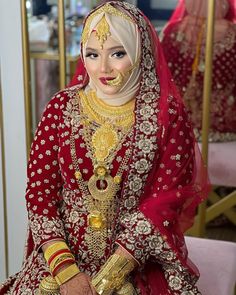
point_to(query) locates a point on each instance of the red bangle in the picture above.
(61, 264)
(56, 254)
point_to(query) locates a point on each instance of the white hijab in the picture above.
(126, 33)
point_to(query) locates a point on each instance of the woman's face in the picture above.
(105, 64)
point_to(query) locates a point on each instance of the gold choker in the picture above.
(101, 113)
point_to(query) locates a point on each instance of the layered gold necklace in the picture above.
(101, 113)
(104, 131)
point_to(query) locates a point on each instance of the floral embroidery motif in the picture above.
(143, 241)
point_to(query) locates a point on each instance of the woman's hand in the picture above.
(78, 285)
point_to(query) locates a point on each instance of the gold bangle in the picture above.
(126, 289)
(66, 274)
(54, 248)
(49, 286)
(112, 275)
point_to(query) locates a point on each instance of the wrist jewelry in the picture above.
(49, 286)
(52, 249)
(126, 289)
(66, 274)
(112, 275)
(58, 255)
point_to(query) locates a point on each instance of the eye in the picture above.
(119, 54)
(91, 55)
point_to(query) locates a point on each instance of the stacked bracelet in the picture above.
(54, 249)
(51, 285)
(59, 261)
(66, 274)
(58, 255)
(112, 275)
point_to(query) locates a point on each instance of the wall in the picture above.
(14, 132)
(2, 241)
(167, 4)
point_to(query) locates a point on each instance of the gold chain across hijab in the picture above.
(103, 28)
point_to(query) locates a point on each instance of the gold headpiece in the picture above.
(103, 29)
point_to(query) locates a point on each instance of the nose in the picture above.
(105, 66)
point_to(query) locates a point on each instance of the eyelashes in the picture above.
(91, 55)
(117, 54)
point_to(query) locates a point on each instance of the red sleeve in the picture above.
(44, 178)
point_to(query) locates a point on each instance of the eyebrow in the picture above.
(111, 48)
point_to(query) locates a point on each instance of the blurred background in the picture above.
(32, 69)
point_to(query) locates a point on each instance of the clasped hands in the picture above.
(78, 285)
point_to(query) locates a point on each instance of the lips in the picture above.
(105, 79)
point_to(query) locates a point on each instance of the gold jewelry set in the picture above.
(104, 130)
(55, 255)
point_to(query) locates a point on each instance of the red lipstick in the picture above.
(105, 79)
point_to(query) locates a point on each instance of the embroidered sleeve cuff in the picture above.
(45, 229)
(143, 242)
(139, 238)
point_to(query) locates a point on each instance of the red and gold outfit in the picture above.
(162, 183)
(184, 48)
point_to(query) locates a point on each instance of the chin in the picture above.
(109, 90)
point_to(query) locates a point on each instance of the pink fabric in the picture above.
(45, 86)
(180, 11)
(222, 163)
(200, 8)
(184, 47)
(216, 261)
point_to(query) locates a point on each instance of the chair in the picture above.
(216, 261)
(222, 172)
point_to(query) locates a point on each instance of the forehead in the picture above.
(109, 43)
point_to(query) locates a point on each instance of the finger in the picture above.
(93, 291)
(85, 290)
(63, 290)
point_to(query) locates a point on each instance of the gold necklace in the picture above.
(103, 145)
(103, 142)
(98, 111)
(101, 204)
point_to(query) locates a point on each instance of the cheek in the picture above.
(123, 65)
(91, 67)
